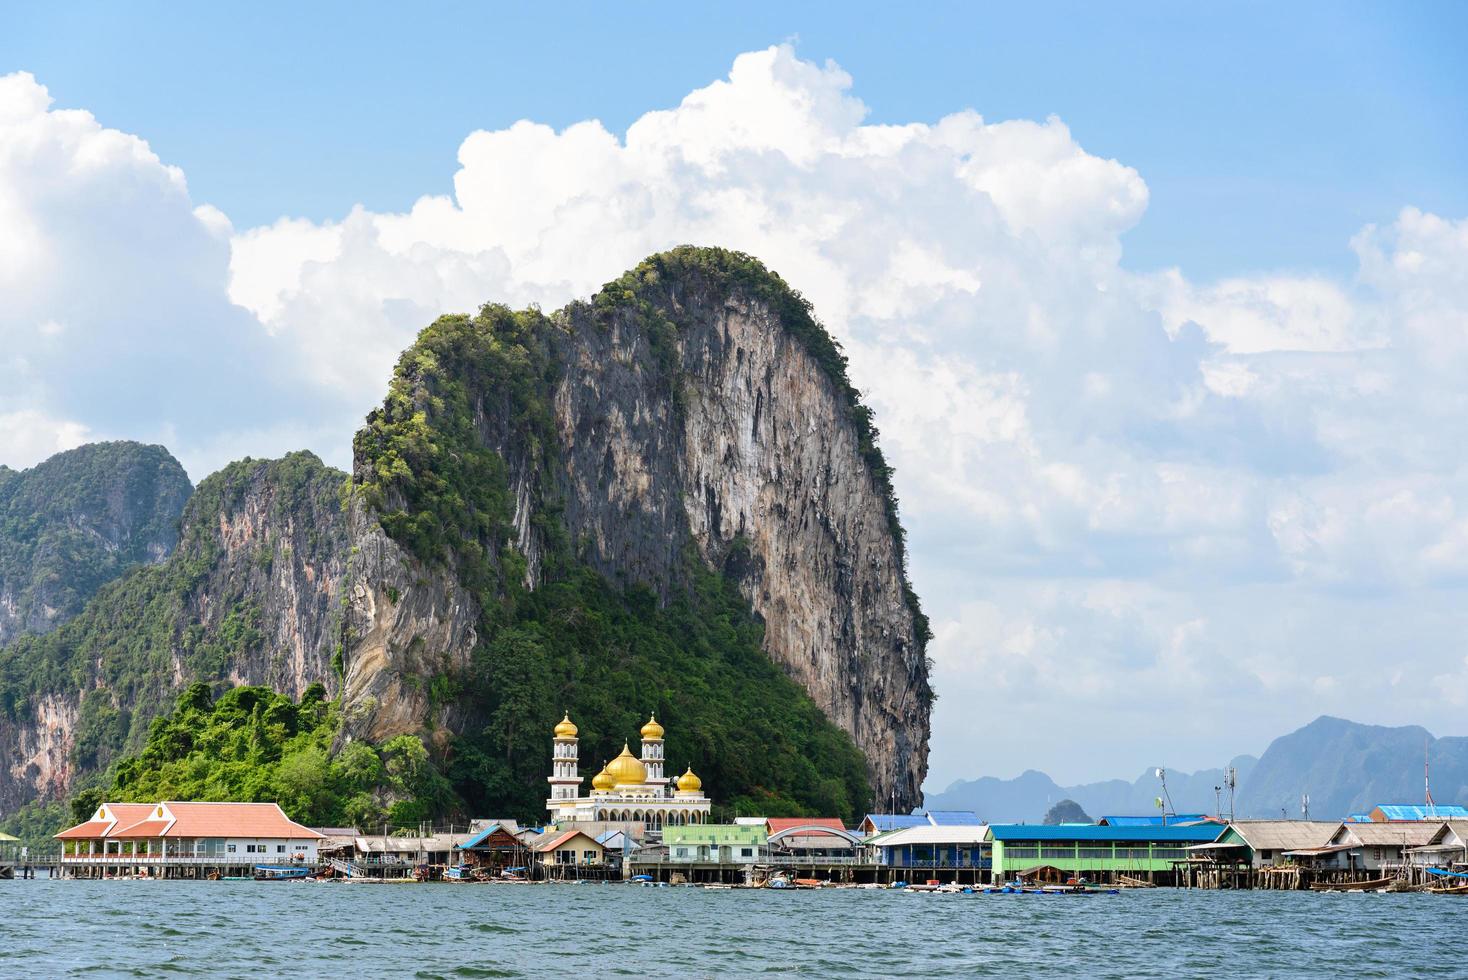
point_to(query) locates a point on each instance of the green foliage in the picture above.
(436, 487)
(82, 518)
(611, 657)
(254, 745)
(36, 823)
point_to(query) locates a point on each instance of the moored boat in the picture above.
(281, 872)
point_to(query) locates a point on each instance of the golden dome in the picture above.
(626, 769)
(689, 783)
(652, 729)
(566, 728)
(603, 780)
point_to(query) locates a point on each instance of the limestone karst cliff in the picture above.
(693, 411)
(77, 521)
(667, 497)
(250, 595)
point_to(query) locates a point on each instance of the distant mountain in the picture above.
(1345, 767)
(79, 520)
(1348, 767)
(1028, 796)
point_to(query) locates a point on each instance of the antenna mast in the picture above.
(1231, 780)
(1167, 811)
(1426, 781)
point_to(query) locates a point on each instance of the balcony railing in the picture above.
(179, 859)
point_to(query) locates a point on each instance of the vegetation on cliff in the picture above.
(79, 520)
(140, 633)
(577, 641)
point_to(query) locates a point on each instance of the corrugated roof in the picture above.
(1150, 820)
(546, 843)
(895, 821)
(1386, 834)
(1284, 835)
(1419, 811)
(954, 818)
(1196, 834)
(479, 838)
(929, 835)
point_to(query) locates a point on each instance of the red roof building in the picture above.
(184, 833)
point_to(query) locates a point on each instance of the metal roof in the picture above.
(928, 835)
(895, 821)
(1283, 835)
(1151, 820)
(954, 818)
(1386, 834)
(1419, 811)
(1196, 834)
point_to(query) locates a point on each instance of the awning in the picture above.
(1215, 846)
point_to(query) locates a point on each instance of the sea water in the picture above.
(248, 929)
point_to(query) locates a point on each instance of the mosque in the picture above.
(628, 788)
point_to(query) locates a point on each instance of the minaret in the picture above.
(652, 754)
(565, 783)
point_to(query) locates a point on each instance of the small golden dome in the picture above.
(603, 780)
(626, 769)
(566, 728)
(689, 783)
(652, 729)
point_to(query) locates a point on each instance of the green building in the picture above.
(716, 843)
(1098, 853)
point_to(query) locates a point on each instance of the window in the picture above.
(1376, 854)
(231, 848)
(280, 848)
(746, 852)
(588, 857)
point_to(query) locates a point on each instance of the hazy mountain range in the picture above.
(1343, 766)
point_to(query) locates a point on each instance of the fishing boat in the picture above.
(458, 872)
(281, 872)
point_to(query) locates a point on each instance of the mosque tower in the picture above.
(565, 783)
(652, 755)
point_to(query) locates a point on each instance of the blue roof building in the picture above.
(880, 823)
(1099, 852)
(954, 818)
(1152, 820)
(1390, 812)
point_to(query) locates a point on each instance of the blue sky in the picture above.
(1268, 133)
(1167, 348)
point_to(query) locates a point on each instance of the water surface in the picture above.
(243, 929)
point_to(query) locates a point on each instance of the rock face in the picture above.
(77, 521)
(403, 622)
(690, 418)
(756, 460)
(252, 595)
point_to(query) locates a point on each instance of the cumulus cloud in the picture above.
(1126, 491)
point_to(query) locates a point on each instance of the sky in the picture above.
(1163, 309)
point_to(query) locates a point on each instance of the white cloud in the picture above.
(1125, 492)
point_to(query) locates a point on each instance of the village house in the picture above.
(716, 843)
(811, 838)
(134, 837)
(1446, 848)
(1368, 847)
(1100, 853)
(1400, 812)
(559, 851)
(960, 847)
(1264, 843)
